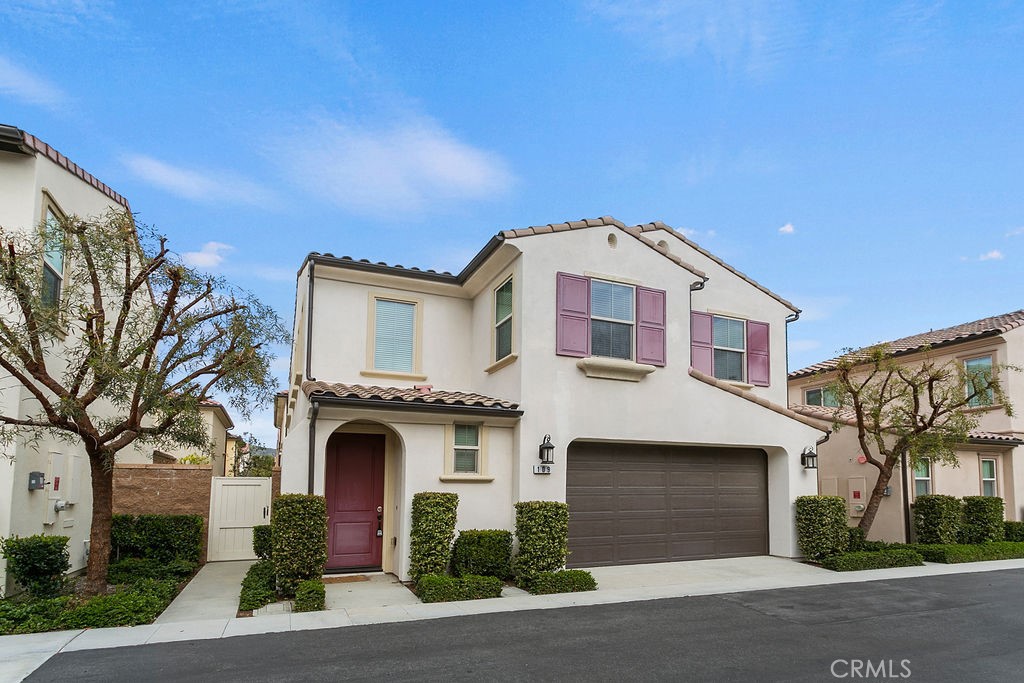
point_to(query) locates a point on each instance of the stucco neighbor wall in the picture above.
(164, 490)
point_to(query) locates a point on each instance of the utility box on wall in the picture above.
(856, 496)
(36, 481)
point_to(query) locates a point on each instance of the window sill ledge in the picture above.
(385, 374)
(498, 365)
(466, 478)
(614, 368)
(740, 385)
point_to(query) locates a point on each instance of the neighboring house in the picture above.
(221, 450)
(991, 462)
(45, 486)
(657, 371)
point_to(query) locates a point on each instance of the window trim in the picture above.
(632, 324)
(481, 475)
(964, 360)
(928, 479)
(994, 478)
(715, 347)
(511, 319)
(371, 337)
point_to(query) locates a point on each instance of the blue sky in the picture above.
(863, 160)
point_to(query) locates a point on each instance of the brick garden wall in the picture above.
(164, 490)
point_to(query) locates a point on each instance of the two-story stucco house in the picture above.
(38, 183)
(991, 463)
(624, 370)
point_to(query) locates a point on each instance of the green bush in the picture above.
(139, 603)
(857, 539)
(32, 616)
(937, 518)
(258, 586)
(261, 544)
(440, 588)
(159, 537)
(821, 526)
(856, 561)
(955, 553)
(38, 563)
(1013, 531)
(132, 569)
(983, 520)
(298, 532)
(486, 552)
(310, 596)
(564, 581)
(542, 527)
(433, 527)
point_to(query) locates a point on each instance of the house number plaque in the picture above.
(542, 469)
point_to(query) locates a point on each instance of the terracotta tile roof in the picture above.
(985, 327)
(754, 398)
(404, 395)
(35, 145)
(658, 225)
(847, 416)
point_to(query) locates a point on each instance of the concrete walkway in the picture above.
(211, 594)
(20, 655)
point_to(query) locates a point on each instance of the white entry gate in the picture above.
(237, 504)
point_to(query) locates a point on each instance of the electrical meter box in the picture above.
(36, 481)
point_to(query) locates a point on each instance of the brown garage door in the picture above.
(630, 504)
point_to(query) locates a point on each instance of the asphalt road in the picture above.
(962, 627)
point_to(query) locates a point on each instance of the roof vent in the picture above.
(423, 388)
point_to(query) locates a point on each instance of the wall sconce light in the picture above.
(547, 451)
(809, 459)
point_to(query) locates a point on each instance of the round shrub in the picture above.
(486, 552)
(937, 518)
(983, 520)
(542, 527)
(433, 528)
(821, 526)
(298, 535)
(37, 563)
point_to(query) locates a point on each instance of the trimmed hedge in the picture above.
(261, 544)
(310, 596)
(857, 539)
(160, 537)
(955, 553)
(565, 581)
(821, 526)
(37, 563)
(440, 588)
(1013, 531)
(542, 527)
(937, 518)
(140, 603)
(433, 528)
(133, 569)
(32, 616)
(258, 586)
(882, 559)
(983, 520)
(484, 552)
(298, 532)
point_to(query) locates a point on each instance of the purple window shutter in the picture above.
(650, 326)
(572, 301)
(758, 365)
(701, 352)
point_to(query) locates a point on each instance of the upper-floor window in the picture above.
(729, 348)
(988, 477)
(394, 335)
(979, 375)
(503, 320)
(53, 261)
(597, 317)
(820, 397)
(922, 478)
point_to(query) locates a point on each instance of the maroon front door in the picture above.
(355, 500)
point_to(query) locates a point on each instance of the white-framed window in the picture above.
(466, 455)
(979, 374)
(394, 335)
(503, 320)
(611, 319)
(53, 262)
(989, 481)
(922, 478)
(728, 339)
(820, 397)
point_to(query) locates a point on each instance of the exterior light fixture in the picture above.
(809, 459)
(547, 451)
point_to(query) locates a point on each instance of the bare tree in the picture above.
(126, 348)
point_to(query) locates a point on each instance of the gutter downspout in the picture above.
(312, 444)
(309, 328)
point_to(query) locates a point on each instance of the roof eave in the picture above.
(415, 406)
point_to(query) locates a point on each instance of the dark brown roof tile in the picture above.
(405, 395)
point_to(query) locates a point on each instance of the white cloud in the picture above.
(195, 184)
(818, 307)
(27, 87)
(802, 345)
(45, 14)
(1015, 232)
(787, 229)
(694, 234)
(381, 171)
(210, 256)
(994, 255)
